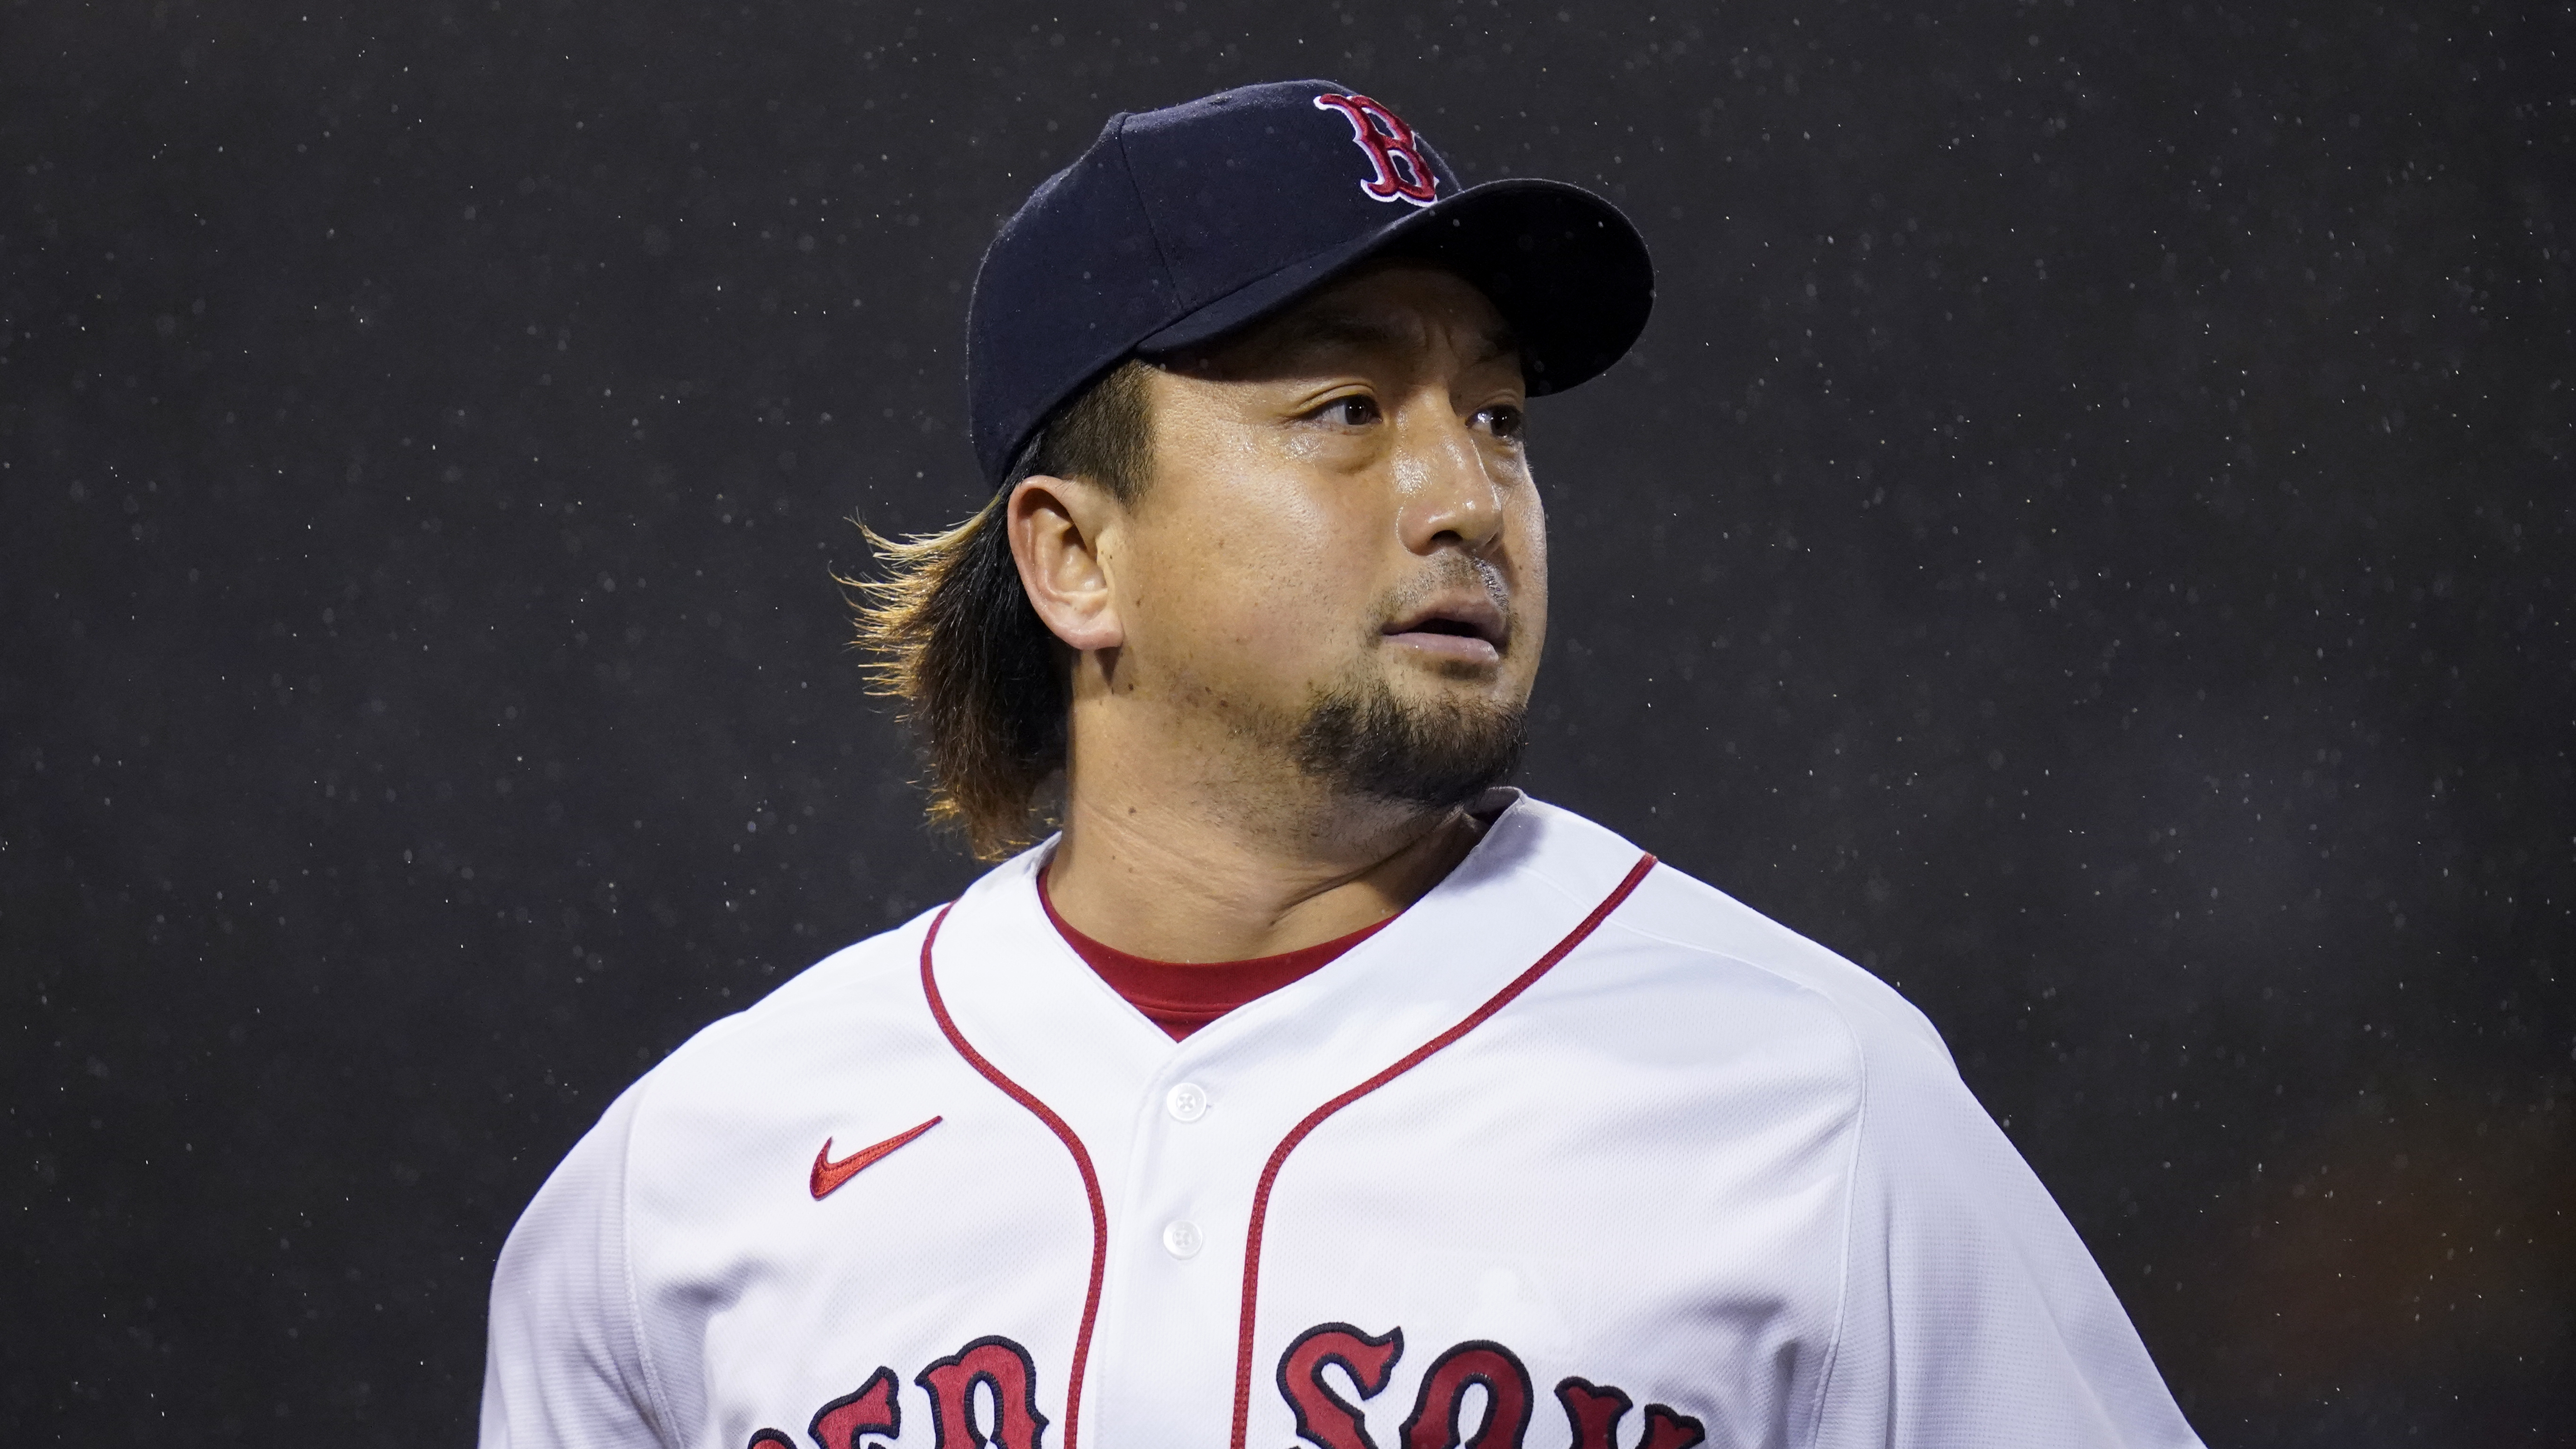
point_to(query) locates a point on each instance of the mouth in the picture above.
(1465, 629)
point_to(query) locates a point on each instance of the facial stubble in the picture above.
(1439, 754)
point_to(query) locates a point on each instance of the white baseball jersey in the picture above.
(1577, 1151)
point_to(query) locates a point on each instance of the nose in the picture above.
(1450, 490)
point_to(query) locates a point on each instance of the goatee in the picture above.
(1438, 756)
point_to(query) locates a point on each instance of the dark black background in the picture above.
(2086, 535)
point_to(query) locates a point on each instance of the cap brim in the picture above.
(1564, 267)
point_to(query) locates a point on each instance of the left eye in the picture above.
(1503, 419)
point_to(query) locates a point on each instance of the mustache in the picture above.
(1446, 575)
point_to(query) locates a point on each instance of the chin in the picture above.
(1437, 748)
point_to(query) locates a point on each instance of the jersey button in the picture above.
(1182, 1238)
(1188, 1102)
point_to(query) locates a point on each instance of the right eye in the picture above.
(1358, 410)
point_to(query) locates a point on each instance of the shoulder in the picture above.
(843, 1044)
(863, 1000)
(865, 979)
(861, 1003)
(1695, 949)
(1691, 915)
(742, 1102)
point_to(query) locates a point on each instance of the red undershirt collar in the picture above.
(1180, 996)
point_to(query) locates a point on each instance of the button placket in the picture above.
(1184, 1103)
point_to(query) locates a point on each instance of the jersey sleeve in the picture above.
(1973, 1316)
(563, 1367)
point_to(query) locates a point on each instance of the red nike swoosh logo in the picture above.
(829, 1174)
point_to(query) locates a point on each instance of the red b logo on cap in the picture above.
(1402, 174)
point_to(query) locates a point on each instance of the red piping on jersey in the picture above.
(1081, 1159)
(1314, 1119)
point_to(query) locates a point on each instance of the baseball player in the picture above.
(1305, 1087)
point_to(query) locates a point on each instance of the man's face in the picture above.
(1340, 551)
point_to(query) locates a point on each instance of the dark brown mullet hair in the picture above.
(982, 681)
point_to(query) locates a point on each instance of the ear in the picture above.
(1058, 529)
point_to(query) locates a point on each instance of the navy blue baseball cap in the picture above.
(1180, 225)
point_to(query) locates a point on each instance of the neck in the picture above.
(1225, 864)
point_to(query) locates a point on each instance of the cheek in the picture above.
(1529, 564)
(1266, 590)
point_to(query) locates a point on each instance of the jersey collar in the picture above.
(1030, 1004)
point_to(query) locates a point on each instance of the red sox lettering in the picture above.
(1328, 1421)
(1324, 1418)
(992, 1363)
(873, 1409)
(998, 1365)
(1433, 1423)
(1595, 1412)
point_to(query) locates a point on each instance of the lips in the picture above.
(1462, 626)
